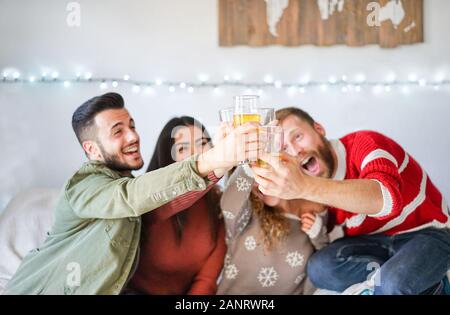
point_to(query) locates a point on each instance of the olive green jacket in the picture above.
(94, 242)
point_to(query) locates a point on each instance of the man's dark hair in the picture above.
(83, 117)
(283, 113)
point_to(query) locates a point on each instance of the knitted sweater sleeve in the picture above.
(182, 202)
(235, 203)
(377, 157)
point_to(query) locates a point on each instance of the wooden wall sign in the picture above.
(388, 23)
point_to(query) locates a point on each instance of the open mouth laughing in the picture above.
(311, 165)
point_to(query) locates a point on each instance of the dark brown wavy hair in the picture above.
(162, 156)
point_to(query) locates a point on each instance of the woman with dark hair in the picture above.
(182, 244)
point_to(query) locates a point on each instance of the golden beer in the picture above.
(240, 119)
(272, 139)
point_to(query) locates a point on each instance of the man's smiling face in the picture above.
(118, 140)
(308, 142)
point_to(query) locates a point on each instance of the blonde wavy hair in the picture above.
(274, 225)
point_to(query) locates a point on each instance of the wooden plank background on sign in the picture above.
(243, 22)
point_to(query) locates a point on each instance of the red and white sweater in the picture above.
(411, 201)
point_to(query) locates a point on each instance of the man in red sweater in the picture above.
(392, 214)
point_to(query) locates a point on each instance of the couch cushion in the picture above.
(23, 226)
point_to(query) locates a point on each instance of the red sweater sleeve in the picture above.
(379, 158)
(182, 202)
(205, 282)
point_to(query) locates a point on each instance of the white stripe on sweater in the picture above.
(408, 209)
(404, 164)
(378, 154)
(434, 223)
(388, 203)
(355, 221)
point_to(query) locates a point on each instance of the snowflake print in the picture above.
(243, 220)
(299, 279)
(231, 271)
(267, 277)
(228, 215)
(294, 259)
(242, 184)
(227, 260)
(250, 243)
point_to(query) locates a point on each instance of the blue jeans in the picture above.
(410, 263)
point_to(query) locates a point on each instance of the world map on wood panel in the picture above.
(320, 22)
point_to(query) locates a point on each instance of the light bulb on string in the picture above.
(377, 89)
(115, 84)
(190, 89)
(361, 78)
(412, 77)
(66, 84)
(203, 77)
(278, 84)
(183, 85)
(391, 78)
(171, 89)
(103, 85)
(126, 77)
(136, 88)
(305, 80)
(268, 79)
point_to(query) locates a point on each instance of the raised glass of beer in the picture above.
(246, 109)
(272, 138)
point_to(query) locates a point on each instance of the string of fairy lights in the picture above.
(346, 85)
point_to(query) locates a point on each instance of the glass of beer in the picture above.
(272, 138)
(246, 109)
(226, 115)
(263, 116)
(267, 115)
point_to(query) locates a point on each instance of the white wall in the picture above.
(178, 39)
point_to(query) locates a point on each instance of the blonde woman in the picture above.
(269, 240)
